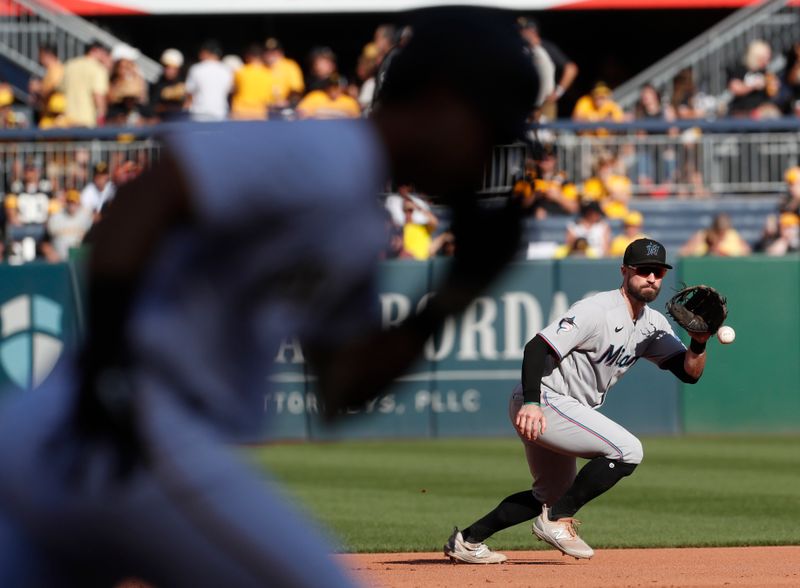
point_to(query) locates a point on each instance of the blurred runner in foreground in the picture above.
(246, 233)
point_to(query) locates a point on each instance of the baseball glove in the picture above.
(698, 309)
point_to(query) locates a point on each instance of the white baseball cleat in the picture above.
(561, 534)
(475, 553)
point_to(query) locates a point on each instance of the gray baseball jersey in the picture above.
(597, 342)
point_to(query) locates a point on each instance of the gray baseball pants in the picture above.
(573, 430)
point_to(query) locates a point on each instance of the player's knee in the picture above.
(634, 452)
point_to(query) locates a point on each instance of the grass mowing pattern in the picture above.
(407, 495)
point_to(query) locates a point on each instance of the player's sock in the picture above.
(597, 476)
(514, 509)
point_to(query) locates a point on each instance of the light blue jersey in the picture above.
(286, 243)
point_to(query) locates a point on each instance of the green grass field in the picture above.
(407, 495)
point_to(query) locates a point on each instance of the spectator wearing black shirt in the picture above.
(168, 94)
(321, 66)
(752, 85)
(790, 91)
(556, 70)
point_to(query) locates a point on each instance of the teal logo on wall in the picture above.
(31, 338)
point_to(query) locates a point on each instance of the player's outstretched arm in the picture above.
(700, 310)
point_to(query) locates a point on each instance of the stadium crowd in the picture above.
(50, 203)
(106, 87)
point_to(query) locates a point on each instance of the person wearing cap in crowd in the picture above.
(252, 87)
(556, 70)
(287, 76)
(66, 228)
(789, 235)
(168, 94)
(592, 226)
(86, 83)
(568, 369)
(233, 62)
(330, 102)
(128, 93)
(781, 235)
(99, 191)
(321, 66)
(208, 84)
(791, 201)
(598, 106)
(631, 231)
(28, 206)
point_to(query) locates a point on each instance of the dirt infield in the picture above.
(754, 567)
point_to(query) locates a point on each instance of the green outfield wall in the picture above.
(461, 385)
(753, 384)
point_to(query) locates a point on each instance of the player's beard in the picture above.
(643, 294)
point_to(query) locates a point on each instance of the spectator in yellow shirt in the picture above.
(252, 85)
(8, 118)
(549, 192)
(85, 83)
(719, 239)
(417, 238)
(330, 102)
(631, 231)
(608, 187)
(597, 106)
(40, 90)
(287, 77)
(53, 116)
(791, 200)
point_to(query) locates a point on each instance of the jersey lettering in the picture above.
(612, 356)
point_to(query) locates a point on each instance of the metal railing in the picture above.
(691, 158)
(689, 163)
(507, 163)
(709, 55)
(71, 164)
(685, 158)
(25, 25)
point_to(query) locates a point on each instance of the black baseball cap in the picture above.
(646, 252)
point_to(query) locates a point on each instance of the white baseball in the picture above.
(726, 335)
